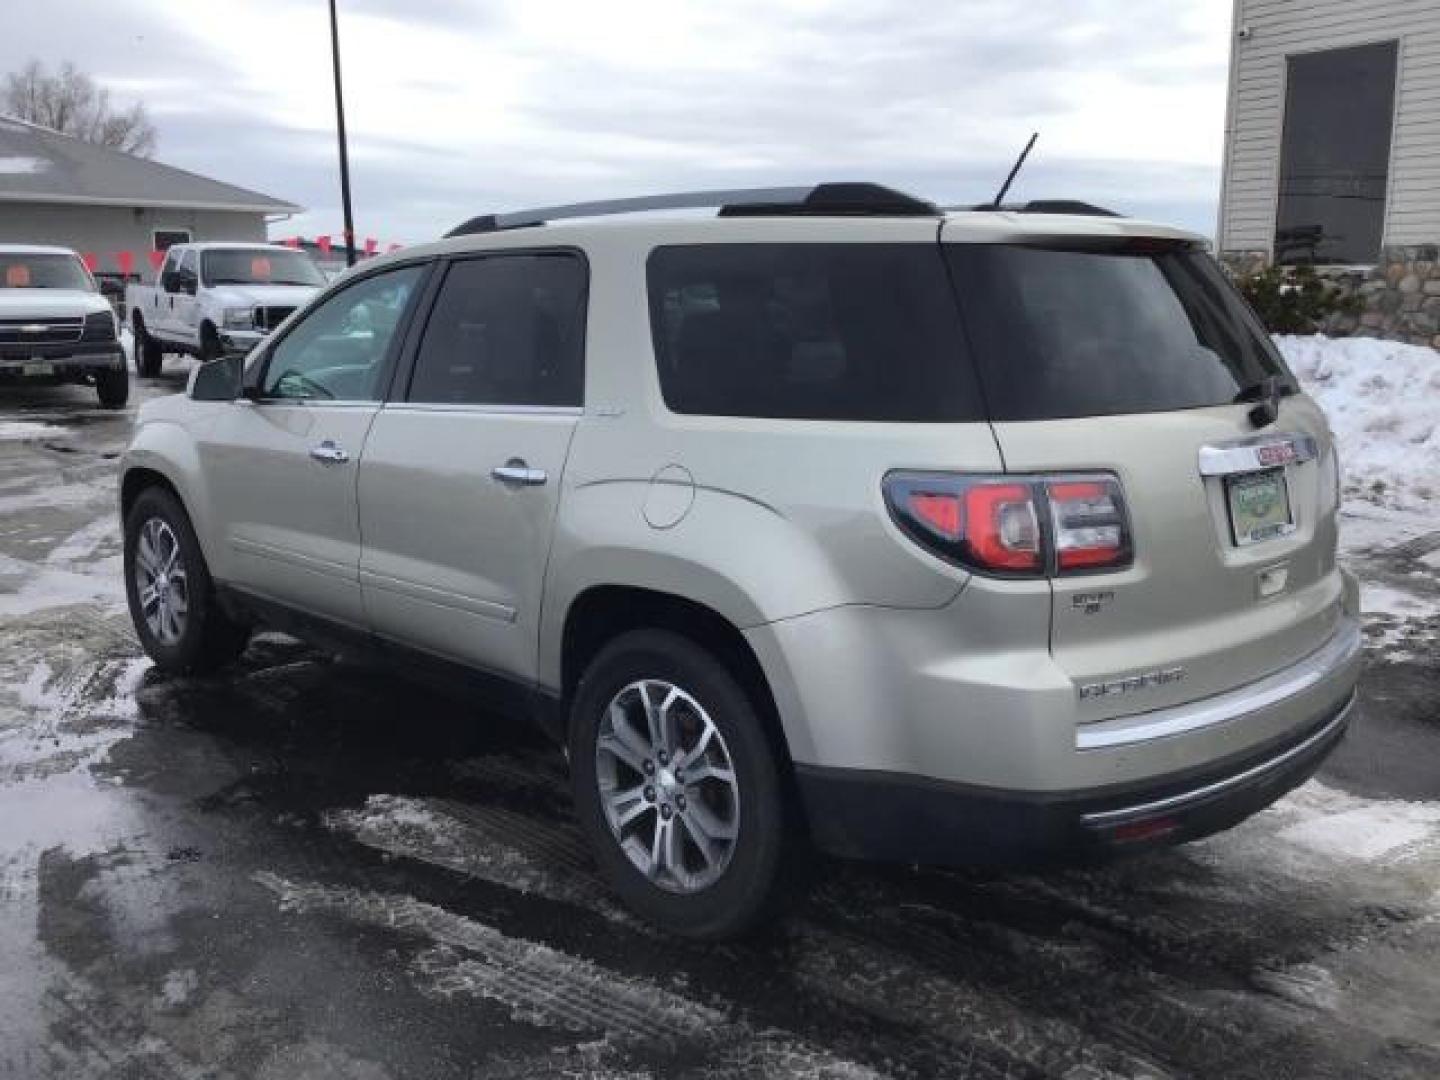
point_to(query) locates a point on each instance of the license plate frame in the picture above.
(1274, 516)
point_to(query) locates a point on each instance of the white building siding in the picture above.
(105, 230)
(1280, 28)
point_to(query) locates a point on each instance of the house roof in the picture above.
(41, 165)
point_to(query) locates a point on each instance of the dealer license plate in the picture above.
(37, 367)
(1259, 506)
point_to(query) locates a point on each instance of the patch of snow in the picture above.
(1385, 600)
(23, 429)
(51, 587)
(1352, 829)
(178, 988)
(20, 165)
(85, 542)
(1382, 399)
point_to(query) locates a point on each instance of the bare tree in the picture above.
(69, 101)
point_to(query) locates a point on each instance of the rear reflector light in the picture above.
(1014, 527)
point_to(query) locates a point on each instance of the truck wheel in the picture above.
(210, 348)
(677, 786)
(172, 598)
(148, 356)
(113, 386)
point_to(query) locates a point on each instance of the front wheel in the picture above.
(677, 786)
(210, 347)
(113, 387)
(172, 598)
(149, 357)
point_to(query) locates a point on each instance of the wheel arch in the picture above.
(602, 612)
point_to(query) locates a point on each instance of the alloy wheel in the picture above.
(161, 581)
(667, 786)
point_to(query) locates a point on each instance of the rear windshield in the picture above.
(1060, 333)
(810, 331)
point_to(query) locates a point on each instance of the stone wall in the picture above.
(1401, 293)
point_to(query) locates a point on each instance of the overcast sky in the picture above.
(457, 107)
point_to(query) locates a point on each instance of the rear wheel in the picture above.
(148, 356)
(170, 592)
(113, 386)
(677, 786)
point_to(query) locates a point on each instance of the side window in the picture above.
(506, 330)
(188, 269)
(337, 351)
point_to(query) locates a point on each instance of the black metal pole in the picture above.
(340, 128)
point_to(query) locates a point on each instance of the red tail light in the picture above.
(1014, 526)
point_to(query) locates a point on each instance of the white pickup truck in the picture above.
(55, 327)
(217, 299)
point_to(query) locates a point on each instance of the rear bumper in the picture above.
(890, 817)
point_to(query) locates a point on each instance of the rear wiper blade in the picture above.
(1268, 392)
(1272, 386)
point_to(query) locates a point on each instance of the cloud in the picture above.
(456, 107)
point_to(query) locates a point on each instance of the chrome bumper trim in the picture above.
(1342, 647)
(1112, 817)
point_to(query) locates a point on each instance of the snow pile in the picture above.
(1383, 402)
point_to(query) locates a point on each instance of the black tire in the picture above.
(210, 347)
(747, 887)
(149, 357)
(208, 638)
(113, 386)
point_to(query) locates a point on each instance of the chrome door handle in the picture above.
(329, 453)
(515, 471)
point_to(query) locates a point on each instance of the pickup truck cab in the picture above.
(55, 327)
(217, 299)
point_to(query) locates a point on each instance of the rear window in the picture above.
(1062, 333)
(810, 331)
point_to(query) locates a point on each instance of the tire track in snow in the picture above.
(545, 987)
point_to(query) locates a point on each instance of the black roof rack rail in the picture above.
(1049, 206)
(820, 200)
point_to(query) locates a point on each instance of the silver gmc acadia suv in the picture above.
(988, 535)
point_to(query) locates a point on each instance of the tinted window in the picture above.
(506, 330)
(1335, 155)
(337, 351)
(809, 331)
(1091, 333)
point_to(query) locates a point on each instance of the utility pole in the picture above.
(340, 129)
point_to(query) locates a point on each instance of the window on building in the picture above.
(165, 239)
(1335, 155)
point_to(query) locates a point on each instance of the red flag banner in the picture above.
(371, 245)
(323, 243)
(291, 241)
(126, 261)
(89, 259)
(157, 259)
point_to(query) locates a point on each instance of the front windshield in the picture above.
(18, 271)
(259, 266)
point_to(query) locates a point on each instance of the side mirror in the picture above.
(169, 281)
(215, 381)
(252, 374)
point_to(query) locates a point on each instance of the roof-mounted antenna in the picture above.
(1005, 187)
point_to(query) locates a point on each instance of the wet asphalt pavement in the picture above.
(308, 869)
